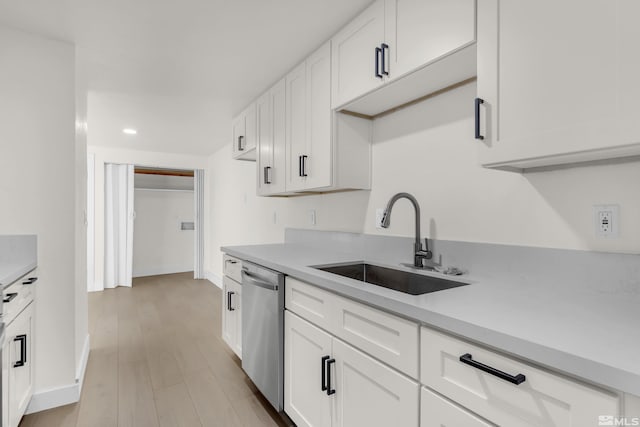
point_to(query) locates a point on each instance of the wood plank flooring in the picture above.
(158, 359)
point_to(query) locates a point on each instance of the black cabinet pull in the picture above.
(304, 165)
(8, 297)
(479, 101)
(240, 146)
(378, 54)
(299, 165)
(324, 373)
(330, 391)
(383, 49)
(30, 281)
(229, 308)
(513, 379)
(267, 174)
(23, 350)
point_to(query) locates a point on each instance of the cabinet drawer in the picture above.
(437, 411)
(310, 302)
(542, 399)
(233, 268)
(384, 336)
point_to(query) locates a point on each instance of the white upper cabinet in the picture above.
(296, 135)
(394, 38)
(244, 134)
(325, 150)
(558, 81)
(318, 167)
(357, 55)
(271, 123)
(421, 31)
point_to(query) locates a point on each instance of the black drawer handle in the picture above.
(383, 48)
(330, 391)
(23, 350)
(324, 372)
(240, 146)
(304, 165)
(30, 281)
(229, 307)
(10, 296)
(513, 379)
(478, 102)
(267, 174)
(379, 53)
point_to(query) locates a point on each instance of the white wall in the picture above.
(428, 150)
(159, 245)
(143, 158)
(38, 190)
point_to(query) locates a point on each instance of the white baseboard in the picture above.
(82, 363)
(214, 278)
(53, 398)
(60, 396)
(163, 269)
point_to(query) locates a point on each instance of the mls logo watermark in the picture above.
(610, 420)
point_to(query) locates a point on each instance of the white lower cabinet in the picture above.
(232, 315)
(369, 393)
(304, 347)
(437, 411)
(483, 382)
(17, 367)
(330, 383)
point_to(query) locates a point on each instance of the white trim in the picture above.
(82, 363)
(163, 269)
(53, 398)
(214, 278)
(60, 396)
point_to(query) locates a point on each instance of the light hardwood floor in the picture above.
(157, 359)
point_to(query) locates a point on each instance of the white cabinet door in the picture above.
(5, 381)
(304, 400)
(296, 134)
(20, 337)
(553, 95)
(277, 106)
(245, 134)
(239, 132)
(264, 147)
(271, 131)
(420, 31)
(232, 315)
(354, 55)
(370, 394)
(318, 166)
(436, 411)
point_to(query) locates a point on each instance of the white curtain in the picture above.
(119, 215)
(198, 190)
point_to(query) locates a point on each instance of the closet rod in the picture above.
(165, 172)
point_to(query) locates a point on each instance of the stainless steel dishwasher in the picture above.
(263, 330)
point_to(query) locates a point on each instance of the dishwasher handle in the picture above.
(254, 280)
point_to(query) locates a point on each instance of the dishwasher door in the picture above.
(263, 331)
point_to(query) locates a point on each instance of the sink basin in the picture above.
(398, 280)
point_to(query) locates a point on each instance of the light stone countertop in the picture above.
(18, 256)
(587, 334)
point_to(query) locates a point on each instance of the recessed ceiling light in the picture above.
(129, 131)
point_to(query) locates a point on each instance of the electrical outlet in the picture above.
(379, 215)
(312, 216)
(607, 220)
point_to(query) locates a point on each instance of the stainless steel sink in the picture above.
(398, 280)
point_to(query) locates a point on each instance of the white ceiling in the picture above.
(172, 66)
